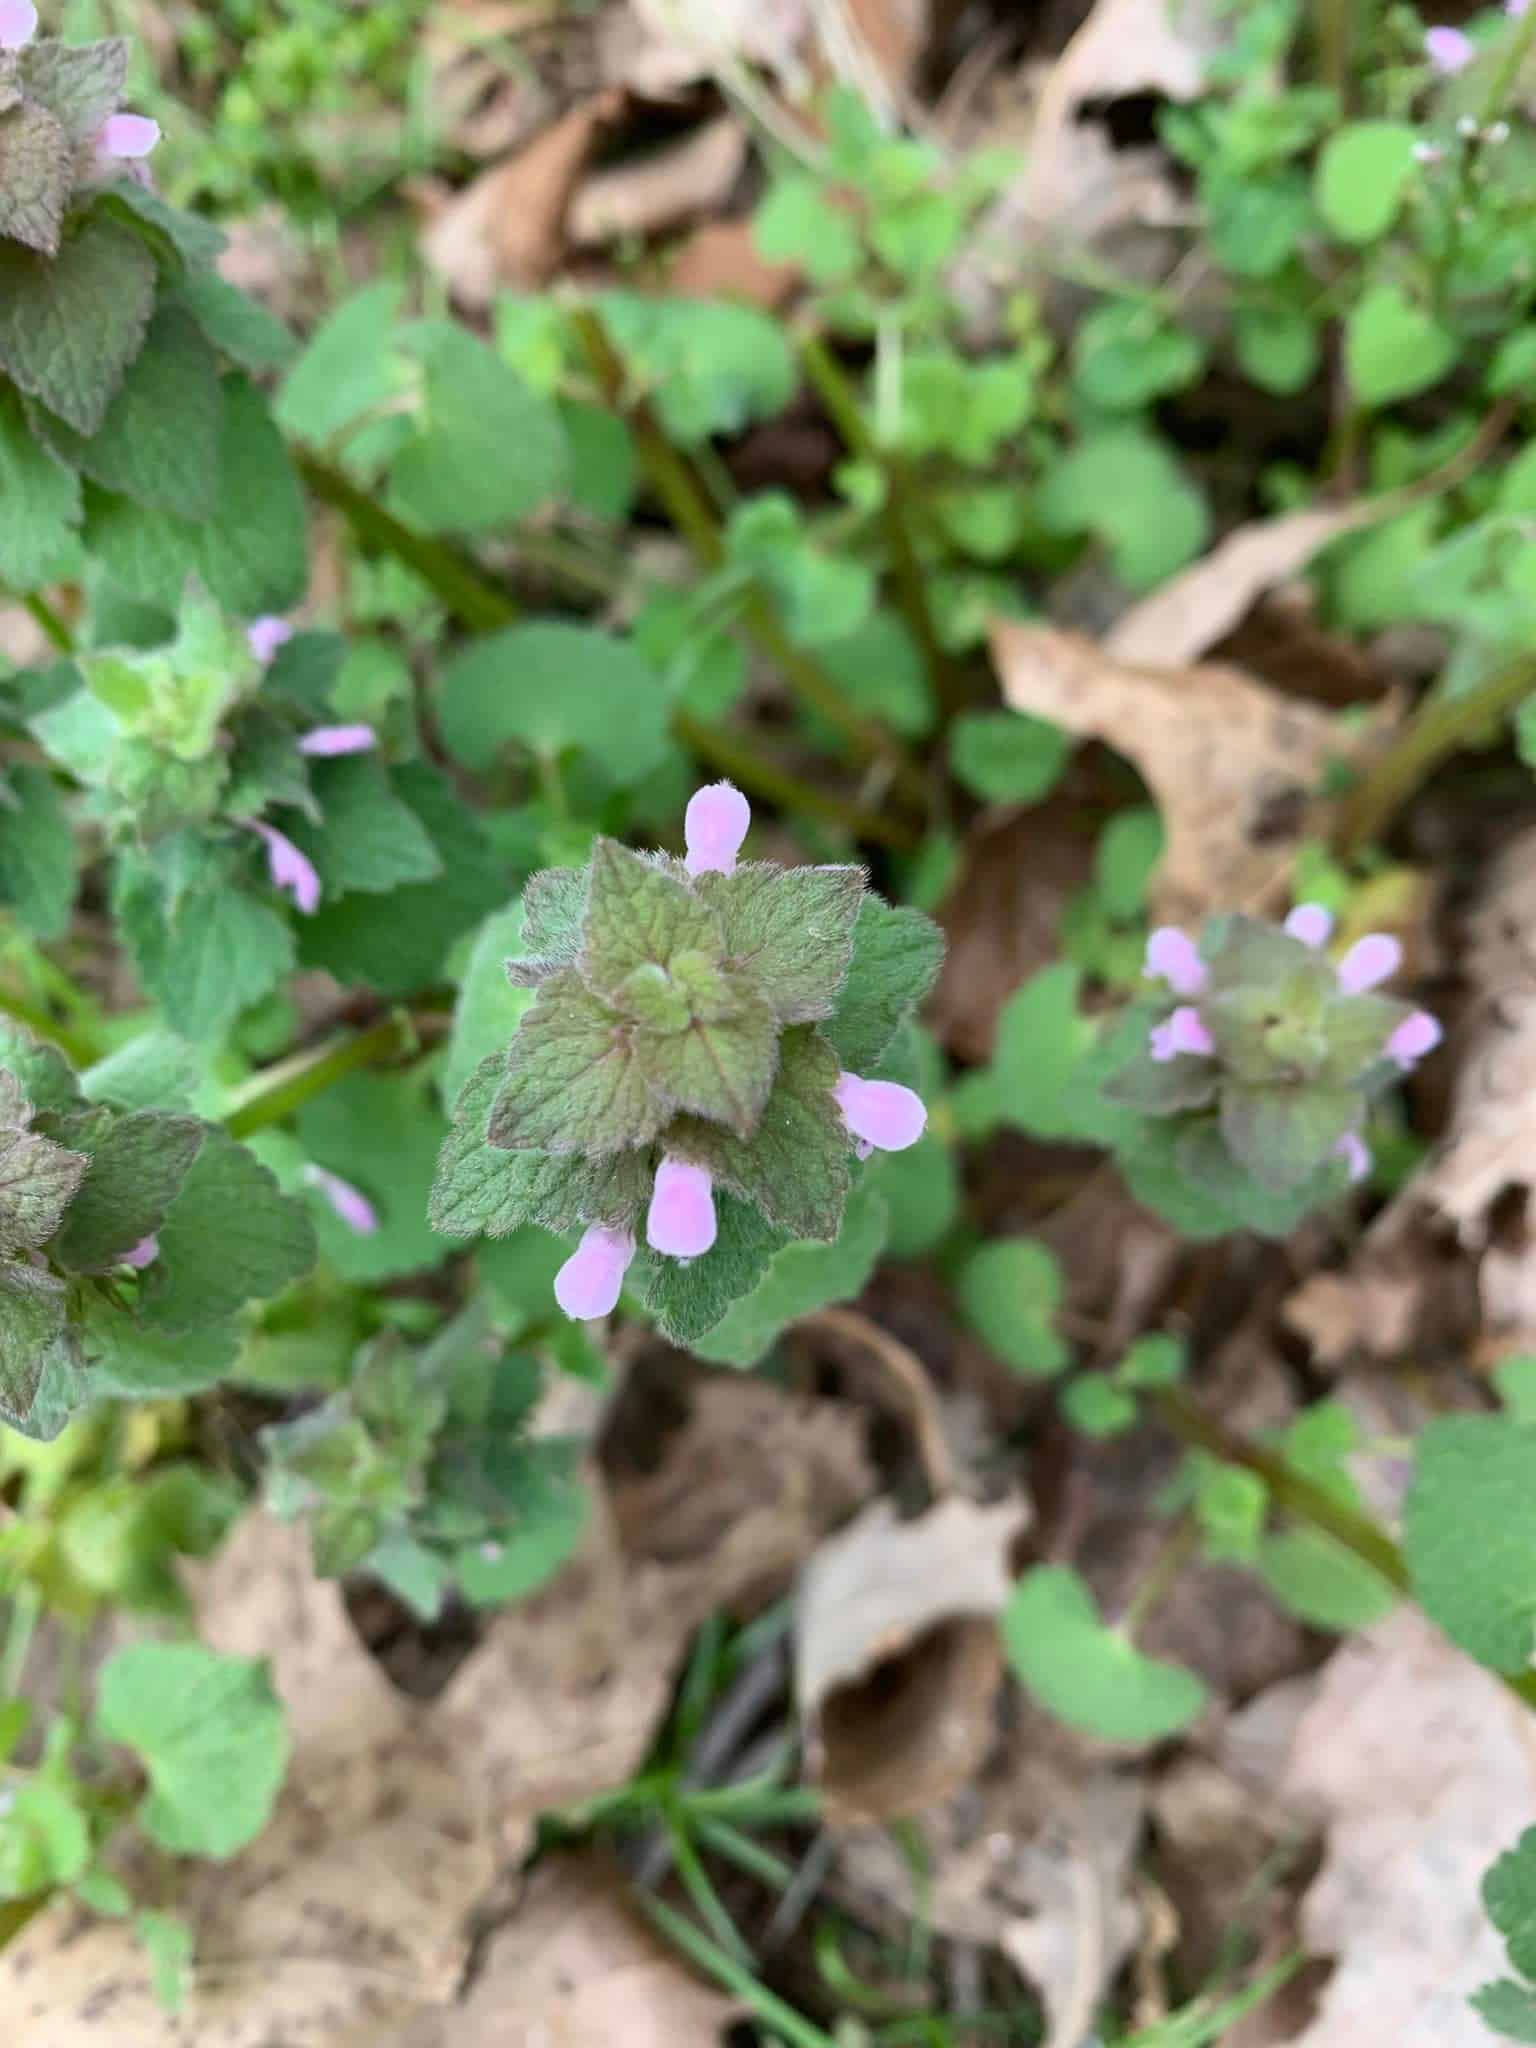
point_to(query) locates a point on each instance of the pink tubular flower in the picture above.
(589, 1283)
(144, 1253)
(882, 1115)
(349, 1203)
(327, 740)
(1413, 1038)
(18, 24)
(714, 825)
(1515, 8)
(1184, 1031)
(288, 868)
(1448, 50)
(1310, 923)
(1356, 1155)
(1173, 957)
(265, 635)
(127, 137)
(1369, 962)
(681, 1218)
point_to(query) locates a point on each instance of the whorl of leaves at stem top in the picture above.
(689, 1075)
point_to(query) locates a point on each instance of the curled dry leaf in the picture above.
(660, 190)
(1124, 48)
(746, 1486)
(1189, 614)
(508, 228)
(1234, 767)
(1032, 1857)
(1422, 1772)
(577, 1968)
(897, 1658)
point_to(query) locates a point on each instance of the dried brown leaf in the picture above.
(661, 190)
(348, 1919)
(1234, 767)
(1125, 47)
(897, 1660)
(348, 1915)
(1189, 614)
(1032, 1857)
(1423, 1771)
(508, 227)
(577, 1968)
(720, 260)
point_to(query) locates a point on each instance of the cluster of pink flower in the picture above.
(289, 869)
(1174, 959)
(122, 139)
(680, 1221)
(1450, 50)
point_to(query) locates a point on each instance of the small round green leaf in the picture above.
(1088, 1675)
(1362, 174)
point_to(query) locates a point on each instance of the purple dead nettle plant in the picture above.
(71, 137)
(1263, 1037)
(694, 1082)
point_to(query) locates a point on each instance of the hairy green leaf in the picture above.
(799, 1279)
(1469, 1534)
(32, 1332)
(689, 1297)
(796, 1165)
(789, 931)
(37, 174)
(159, 443)
(639, 915)
(895, 962)
(208, 955)
(573, 1083)
(230, 1235)
(70, 325)
(79, 83)
(137, 1165)
(39, 503)
(367, 838)
(39, 863)
(38, 1179)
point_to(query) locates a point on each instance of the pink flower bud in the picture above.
(1355, 1153)
(714, 825)
(1310, 923)
(1413, 1038)
(1448, 50)
(681, 1218)
(127, 137)
(18, 24)
(349, 1203)
(1172, 956)
(265, 635)
(882, 1115)
(1185, 1032)
(144, 1253)
(327, 740)
(288, 868)
(1515, 8)
(589, 1282)
(1369, 962)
